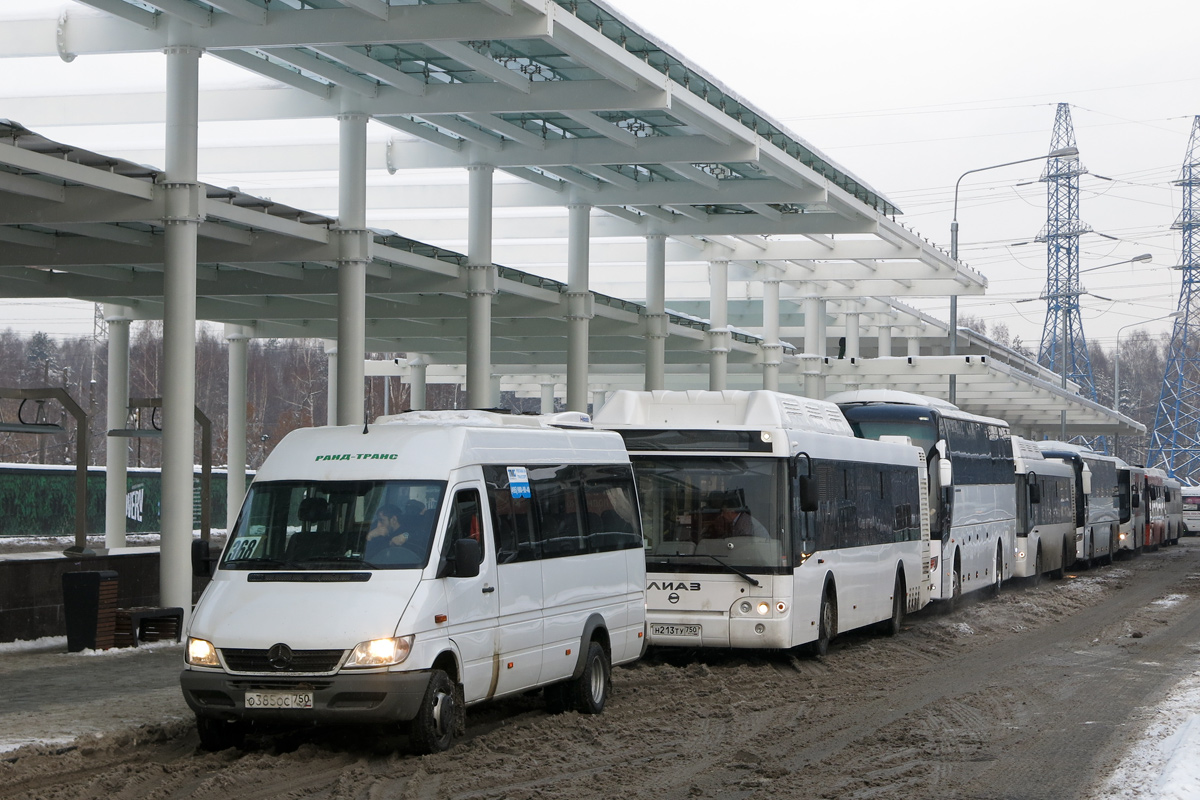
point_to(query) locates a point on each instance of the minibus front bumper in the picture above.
(378, 697)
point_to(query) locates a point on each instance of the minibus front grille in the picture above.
(305, 662)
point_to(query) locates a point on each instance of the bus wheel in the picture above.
(592, 688)
(955, 588)
(1037, 568)
(891, 627)
(827, 627)
(998, 577)
(437, 719)
(1061, 572)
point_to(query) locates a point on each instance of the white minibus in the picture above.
(767, 524)
(401, 572)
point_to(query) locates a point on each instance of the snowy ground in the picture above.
(1165, 764)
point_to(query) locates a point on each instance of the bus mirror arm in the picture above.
(1035, 491)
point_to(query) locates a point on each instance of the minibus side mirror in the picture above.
(468, 555)
(202, 559)
(809, 495)
(1135, 500)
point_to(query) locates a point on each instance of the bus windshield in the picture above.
(873, 421)
(714, 514)
(332, 525)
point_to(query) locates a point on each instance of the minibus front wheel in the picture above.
(440, 716)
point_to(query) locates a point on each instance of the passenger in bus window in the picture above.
(731, 518)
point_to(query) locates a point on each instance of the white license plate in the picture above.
(675, 630)
(279, 699)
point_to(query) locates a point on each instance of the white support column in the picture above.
(914, 346)
(656, 317)
(481, 286)
(417, 371)
(116, 447)
(885, 341)
(238, 337)
(354, 253)
(548, 398)
(812, 325)
(852, 330)
(772, 348)
(579, 305)
(599, 398)
(184, 200)
(331, 380)
(494, 390)
(718, 328)
(814, 346)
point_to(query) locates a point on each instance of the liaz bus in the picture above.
(1191, 509)
(1098, 505)
(767, 524)
(1045, 512)
(972, 503)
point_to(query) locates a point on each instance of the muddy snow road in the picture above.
(1035, 694)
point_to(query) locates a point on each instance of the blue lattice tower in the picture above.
(1064, 348)
(1175, 441)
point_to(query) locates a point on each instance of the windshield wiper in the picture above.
(718, 559)
(335, 560)
(254, 562)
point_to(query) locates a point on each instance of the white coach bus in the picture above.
(767, 524)
(1045, 512)
(1098, 492)
(972, 498)
(397, 574)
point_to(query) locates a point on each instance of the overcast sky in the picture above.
(908, 96)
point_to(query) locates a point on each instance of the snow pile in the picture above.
(1163, 765)
(1170, 601)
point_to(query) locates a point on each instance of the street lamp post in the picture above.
(1063, 152)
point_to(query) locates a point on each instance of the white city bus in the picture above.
(1045, 511)
(1191, 510)
(1098, 499)
(972, 500)
(767, 523)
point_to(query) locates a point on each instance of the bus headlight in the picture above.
(764, 609)
(381, 652)
(201, 653)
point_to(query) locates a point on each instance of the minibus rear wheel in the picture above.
(593, 686)
(437, 719)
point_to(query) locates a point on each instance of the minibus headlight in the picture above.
(381, 652)
(201, 653)
(764, 609)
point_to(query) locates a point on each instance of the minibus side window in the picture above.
(512, 519)
(556, 494)
(612, 515)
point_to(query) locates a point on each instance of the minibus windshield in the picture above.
(331, 525)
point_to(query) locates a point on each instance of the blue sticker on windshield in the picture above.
(518, 482)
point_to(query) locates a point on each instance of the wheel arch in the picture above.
(594, 630)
